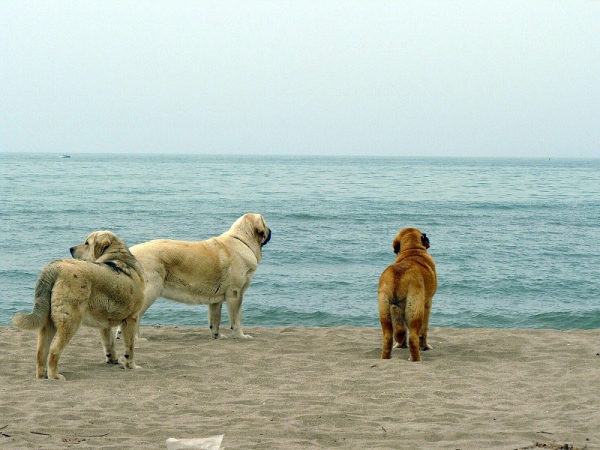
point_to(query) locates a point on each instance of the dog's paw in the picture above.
(218, 336)
(127, 363)
(58, 377)
(242, 336)
(111, 359)
(131, 366)
(426, 347)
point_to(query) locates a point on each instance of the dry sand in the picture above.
(297, 388)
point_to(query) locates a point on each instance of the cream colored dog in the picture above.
(406, 291)
(103, 291)
(208, 272)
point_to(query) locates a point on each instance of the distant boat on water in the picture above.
(64, 156)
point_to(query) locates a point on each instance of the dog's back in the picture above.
(414, 269)
(83, 288)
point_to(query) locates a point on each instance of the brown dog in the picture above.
(405, 290)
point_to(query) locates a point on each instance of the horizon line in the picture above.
(296, 155)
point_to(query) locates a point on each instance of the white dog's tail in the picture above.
(40, 314)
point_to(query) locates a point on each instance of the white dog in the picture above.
(208, 272)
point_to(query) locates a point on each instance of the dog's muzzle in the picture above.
(267, 239)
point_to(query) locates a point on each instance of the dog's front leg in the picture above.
(233, 300)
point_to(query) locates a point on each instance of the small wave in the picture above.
(17, 273)
(553, 320)
(307, 217)
(275, 317)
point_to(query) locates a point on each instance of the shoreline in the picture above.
(308, 387)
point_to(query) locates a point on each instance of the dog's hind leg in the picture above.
(108, 343)
(214, 319)
(425, 327)
(397, 309)
(414, 320)
(386, 326)
(45, 335)
(129, 327)
(65, 331)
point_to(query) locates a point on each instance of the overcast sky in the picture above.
(396, 78)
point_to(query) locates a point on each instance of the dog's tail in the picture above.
(40, 315)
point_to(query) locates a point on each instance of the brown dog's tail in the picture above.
(40, 314)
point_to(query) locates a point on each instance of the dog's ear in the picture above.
(101, 243)
(396, 245)
(425, 240)
(260, 231)
(263, 232)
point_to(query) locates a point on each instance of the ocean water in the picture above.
(516, 241)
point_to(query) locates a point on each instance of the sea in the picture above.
(516, 241)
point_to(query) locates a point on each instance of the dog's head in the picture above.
(98, 246)
(410, 238)
(253, 231)
(105, 247)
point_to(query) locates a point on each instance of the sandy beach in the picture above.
(298, 388)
